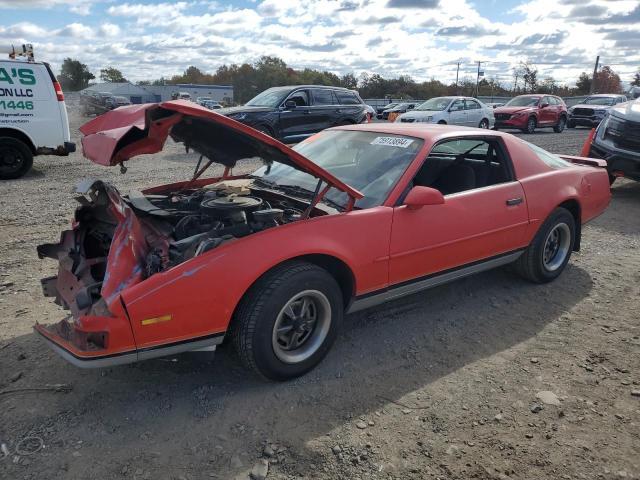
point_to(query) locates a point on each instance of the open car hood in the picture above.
(121, 134)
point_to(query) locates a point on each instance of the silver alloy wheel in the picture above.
(531, 125)
(556, 247)
(301, 327)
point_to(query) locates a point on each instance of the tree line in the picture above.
(249, 79)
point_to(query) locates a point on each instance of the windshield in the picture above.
(523, 102)
(402, 106)
(599, 101)
(271, 97)
(435, 104)
(369, 162)
(391, 105)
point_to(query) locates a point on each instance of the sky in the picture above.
(421, 38)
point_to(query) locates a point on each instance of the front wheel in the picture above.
(16, 158)
(549, 252)
(559, 127)
(484, 123)
(288, 321)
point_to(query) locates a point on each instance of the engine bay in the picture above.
(187, 222)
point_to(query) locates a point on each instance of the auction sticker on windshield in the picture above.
(392, 141)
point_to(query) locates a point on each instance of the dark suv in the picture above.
(294, 113)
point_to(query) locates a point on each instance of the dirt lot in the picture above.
(443, 384)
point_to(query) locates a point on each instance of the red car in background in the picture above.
(528, 112)
(349, 218)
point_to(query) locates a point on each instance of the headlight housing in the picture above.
(425, 119)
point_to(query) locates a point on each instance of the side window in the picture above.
(322, 96)
(465, 164)
(300, 97)
(457, 105)
(472, 105)
(347, 98)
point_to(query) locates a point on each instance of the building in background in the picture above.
(160, 93)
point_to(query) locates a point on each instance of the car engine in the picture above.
(202, 219)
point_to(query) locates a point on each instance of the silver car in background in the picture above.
(465, 111)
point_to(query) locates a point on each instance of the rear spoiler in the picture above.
(591, 162)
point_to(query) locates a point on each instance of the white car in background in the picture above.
(465, 111)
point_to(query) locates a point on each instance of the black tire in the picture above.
(612, 178)
(442, 122)
(484, 123)
(532, 264)
(260, 310)
(531, 125)
(562, 122)
(16, 158)
(571, 124)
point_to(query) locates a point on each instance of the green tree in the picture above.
(636, 80)
(112, 75)
(583, 85)
(74, 75)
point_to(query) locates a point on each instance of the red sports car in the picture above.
(349, 218)
(528, 112)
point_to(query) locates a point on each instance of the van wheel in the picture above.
(287, 322)
(549, 252)
(16, 158)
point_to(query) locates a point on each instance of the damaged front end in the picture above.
(120, 243)
(100, 256)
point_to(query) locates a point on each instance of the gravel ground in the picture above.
(490, 377)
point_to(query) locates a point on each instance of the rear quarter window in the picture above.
(348, 98)
(550, 159)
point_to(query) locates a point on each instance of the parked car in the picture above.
(33, 116)
(380, 110)
(528, 112)
(592, 110)
(211, 105)
(201, 100)
(296, 112)
(112, 102)
(634, 92)
(181, 96)
(95, 103)
(391, 113)
(464, 111)
(617, 140)
(350, 218)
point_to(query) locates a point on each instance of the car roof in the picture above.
(423, 131)
(606, 95)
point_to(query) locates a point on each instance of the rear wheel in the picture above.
(484, 123)
(442, 122)
(288, 321)
(531, 125)
(549, 252)
(562, 122)
(16, 158)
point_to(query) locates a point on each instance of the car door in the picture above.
(547, 114)
(474, 112)
(296, 123)
(325, 111)
(486, 224)
(457, 113)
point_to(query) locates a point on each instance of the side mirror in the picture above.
(421, 196)
(290, 104)
(544, 105)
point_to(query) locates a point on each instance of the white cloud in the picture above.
(147, 40)
(80, 7)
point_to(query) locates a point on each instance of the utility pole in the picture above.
(457, 72)
(592, 88)
(478, 78)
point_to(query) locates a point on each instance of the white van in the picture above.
(33, 115)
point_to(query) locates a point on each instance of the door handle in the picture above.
(514, 201)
